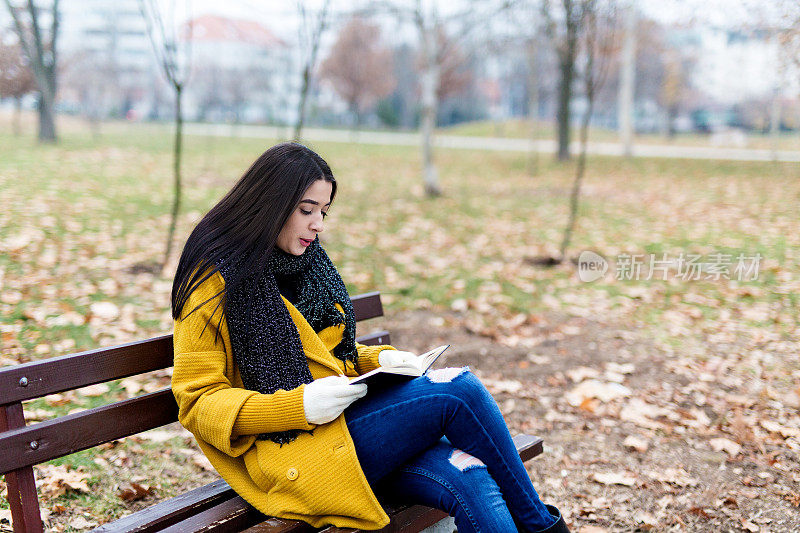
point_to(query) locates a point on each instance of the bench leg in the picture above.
(22, 497)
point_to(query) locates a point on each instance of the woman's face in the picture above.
(306, 220)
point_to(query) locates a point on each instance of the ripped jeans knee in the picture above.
(469, 494)
(464, 461)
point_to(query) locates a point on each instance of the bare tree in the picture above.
(454, 76)
(92, 78)
(789, 35)
(40, 49)
(359, 68)
(626, 82)
(531, 50)
(168, 45)
(16, 79)
(598, 38)
(526, 21)
(564, 31)
(311, 29)
(430, 24)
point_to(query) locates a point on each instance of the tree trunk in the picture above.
(576, 185)
(176, 203)
(590, 86)
(322, 23)
(566, 66)
(774, 123)
(16, 121)
(672, 116)
(47, 124)
(563, 115)
(301, 107)
(533, 105)
(429, 83)
(430, 174)
(626, 84)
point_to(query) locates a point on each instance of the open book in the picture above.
(392, 374)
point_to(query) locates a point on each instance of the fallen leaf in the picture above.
(674, 476)
(784, 431)
(131, 386)
(702, 513)
(56, 399)
(728, 446)
(582, 372)
(647, 520)
(80, 522)
(617, 368)
(749, 526)
(202, 461)
(97, 389)
(105, 310)
(615, 478)
(635, 443)
(605, 392)
(58, 479)
(589, 405)
(133, 492)
(509, 386)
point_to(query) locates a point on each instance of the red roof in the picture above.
(218, 29)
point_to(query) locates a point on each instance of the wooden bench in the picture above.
(214, 507)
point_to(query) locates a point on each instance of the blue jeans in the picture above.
(440, 440)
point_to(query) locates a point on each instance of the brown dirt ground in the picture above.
(711, 492)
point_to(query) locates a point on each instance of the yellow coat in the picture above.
(317, 477)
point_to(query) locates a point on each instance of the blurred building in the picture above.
(241, 72)
(736, 65)
(742, 75)
(106, 58)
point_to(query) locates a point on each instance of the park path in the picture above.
(497, 144)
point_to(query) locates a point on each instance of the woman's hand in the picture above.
(396, 358)
(324, 399)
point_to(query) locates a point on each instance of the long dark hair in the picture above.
(245, 224)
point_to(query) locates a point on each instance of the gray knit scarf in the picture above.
(266, 343)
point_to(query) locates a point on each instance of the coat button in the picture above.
(292, 474)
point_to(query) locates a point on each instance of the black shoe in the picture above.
(560, 526)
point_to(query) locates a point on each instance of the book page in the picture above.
(427, 359)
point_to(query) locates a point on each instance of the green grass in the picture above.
(89, 209)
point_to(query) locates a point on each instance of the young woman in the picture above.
(264, 349)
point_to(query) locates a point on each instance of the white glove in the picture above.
(396, 358)
(324, 399)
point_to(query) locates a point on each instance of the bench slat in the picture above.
(219, 501)
(168, 512)
(280, 525)
(73, 371)
(68, 372)
(231, 515)
(528, 446)
(78, 431)
(404, 518)
(367, 305)
(373, 339)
